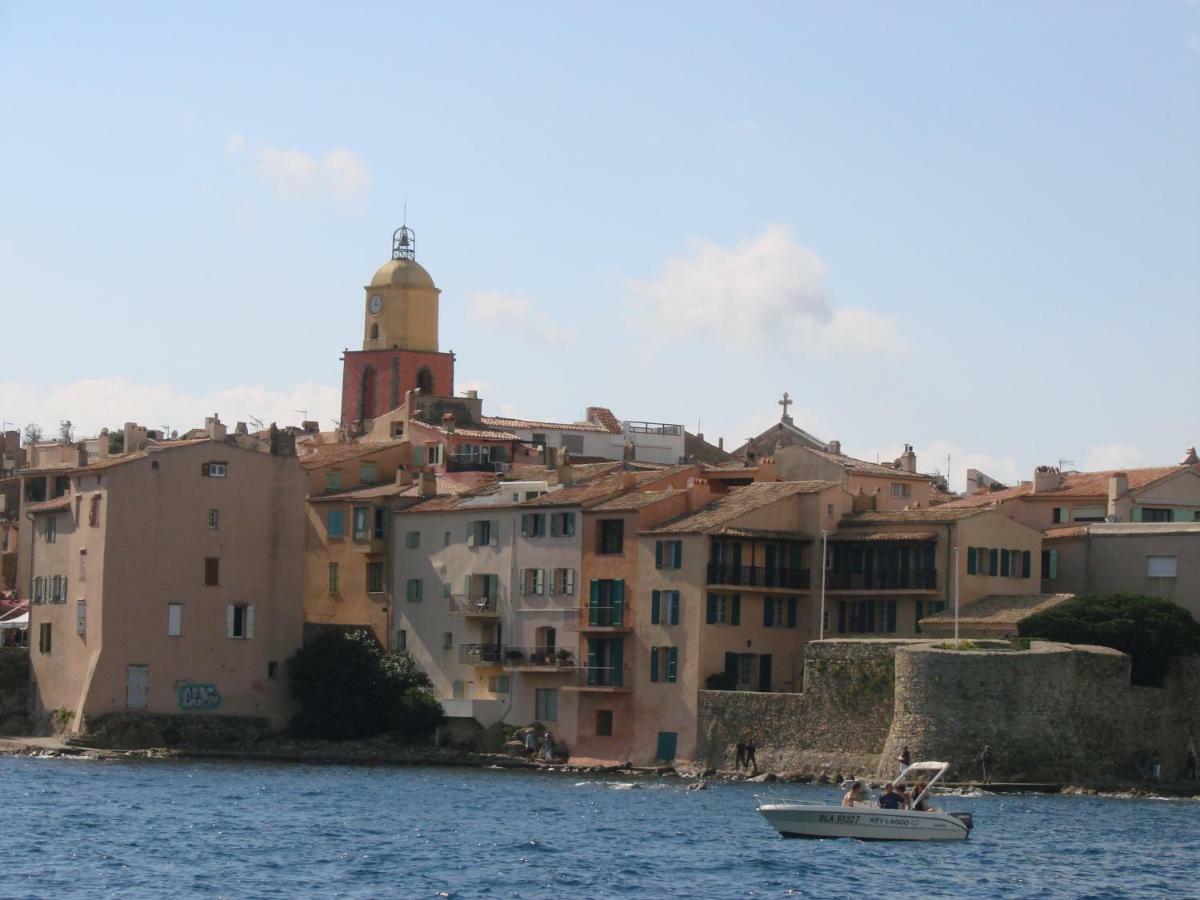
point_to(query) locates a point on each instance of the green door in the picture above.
(666, 745)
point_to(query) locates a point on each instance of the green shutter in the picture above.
(553, 524)
(618, 602)
(672, 662)
(735, 609)
(594, 603)
(655, 606)
(1004, 556)
(993, 562)
(674, 607)
(1053, 564)
(658, 554)
(791, 612)
(731, 665)
(618, 663)
(654, 664)
(711, 614)
(679, 554)
(1026, 563)
(768, 612)
(972, 561)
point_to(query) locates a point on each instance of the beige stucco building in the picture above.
(168, 581)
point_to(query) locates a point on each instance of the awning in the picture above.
(875, 537)
(21, 621)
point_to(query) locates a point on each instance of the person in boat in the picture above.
(893, 797)
(856, 794)
(918, 803)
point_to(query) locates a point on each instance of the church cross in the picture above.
(785, 403)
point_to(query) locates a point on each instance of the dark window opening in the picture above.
(610, 536)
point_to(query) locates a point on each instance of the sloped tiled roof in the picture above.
(888, 536)
(604, 417)
(738, 502)
(111, 462)
(1091, 485)
(700, 450)
(450, 485)
(330, 454)
(999, 609)
(532, 425)
(937, 515)
(597, 490)
(863, 467)
(467, 431)
(782, 434)
(63, 502)
(1122, 529)
(634, 501)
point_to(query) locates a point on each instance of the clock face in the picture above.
(376, 304)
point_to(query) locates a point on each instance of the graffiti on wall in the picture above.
(194, 697)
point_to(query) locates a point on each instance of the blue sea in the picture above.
(87, 828)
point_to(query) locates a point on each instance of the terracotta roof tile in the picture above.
(1092, 485)
(937, 515)
(888, 536)
(532, 425)
(863, 467)
(63, 502)
(597, 490)
(634, 501)
(738, 502)
(603, 416)
(330, 454)
(999, 609)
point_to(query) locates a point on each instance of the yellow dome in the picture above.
(402, 272)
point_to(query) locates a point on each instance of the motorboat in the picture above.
(867, 822)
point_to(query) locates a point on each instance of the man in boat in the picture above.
(856, 794)
(893, 797)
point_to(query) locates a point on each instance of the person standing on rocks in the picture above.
(905, 760)
(751, 761)
(741, 754)
(985, 763)
(1155, 767)
(1189, 768)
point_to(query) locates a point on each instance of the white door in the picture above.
(137, 683)
(745, 681)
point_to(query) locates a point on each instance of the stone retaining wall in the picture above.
(138, 731)
(14, 690)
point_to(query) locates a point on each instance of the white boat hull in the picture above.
(818, 820)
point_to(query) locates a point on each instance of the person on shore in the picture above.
(1155, 767)
(856, 794)
(1189, 767)
(530, 744)
(751, 760)
(985, 763)
(893, 797)
(905, 760)
(548, 748)
(741, 754)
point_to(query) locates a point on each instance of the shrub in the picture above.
(1149, 629)
(348, 687)
(721, 681)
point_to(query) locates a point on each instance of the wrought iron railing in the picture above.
(759, 576)
(882, 580)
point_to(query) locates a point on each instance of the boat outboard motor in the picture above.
(965, 818)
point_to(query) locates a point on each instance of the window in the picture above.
(972, 560)
(239, 621)
(214, 519)
(335, 523)
(447, 640)
(368, 473)
(58, 589)
(668, 554)
(1050, 564)
(334, 579)
(1059, 515)
(664, 663)
(901, 490)
(214, 469)
(1150, 514)
(1089, 513)
(610, 536)
(272, 669)
(562, 524)
(604, 723)
(362, 523)
(533, 525)
(212, 570)
(412, 539)
(606, 603)
(1161, 566)
(174, 619)
(94, 511)
(401, 639)
(779, 612)
(375, 578)
(866, 616)
(81, 617)
(664, 608)
(433, 454)
(333, 480)
(483, 534)
(563, 581)
(83, 565)
(379, 532)
(44, 637)
(724, 609)
(414, 590)
(533, 581)
(39, 589)
(573, 443)
(546, 705)
(500, 684)
(50, 529)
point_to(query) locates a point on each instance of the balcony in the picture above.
(657, 428)
(475, 606)
(882, 580)
(759, 576)
(599, 679)
(480, 654)
(465, 462)
(604, 619)
(539, 659)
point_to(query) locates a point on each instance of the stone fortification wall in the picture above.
(1056, 712)
(839, 723)
(14, 690)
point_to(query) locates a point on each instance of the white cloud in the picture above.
(340, 173)
(1113, 456)
(95, 403)
(931, 458)
(768, 286)
(516, 311)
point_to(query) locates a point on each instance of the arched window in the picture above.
(425, 380)
(374, 331)
(366, 396)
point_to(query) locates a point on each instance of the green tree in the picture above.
(1149, 629)
(348, 687)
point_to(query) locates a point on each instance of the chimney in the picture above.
(720, 443)
(907, 461)
(766, 470)
(1118, 490)
(310, 426)
(240, 428)
(472, 395)
(404, 476)
(1046, 478)
(566, 472)
(835, 447)
(628, 480)
(630, 452)
(448, 422)
(428, 487)
(213, 427)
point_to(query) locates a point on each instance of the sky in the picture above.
(972, 227)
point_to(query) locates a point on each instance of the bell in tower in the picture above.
(401, 301)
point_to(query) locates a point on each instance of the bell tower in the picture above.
(401, 301)
(400, 340)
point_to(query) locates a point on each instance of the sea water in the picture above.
(86, 828)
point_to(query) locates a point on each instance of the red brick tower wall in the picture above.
(394, 373)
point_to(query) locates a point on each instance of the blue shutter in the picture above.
(594, 604)
(1026, 563)
(972, 561)
(791, 612)
(672, 662)
(654, 664)
(655, 606)
(768, 612)
(735, 609)
(658, 554)
(994, 562)
(711, 616)
(674, 607)
(1004, 562)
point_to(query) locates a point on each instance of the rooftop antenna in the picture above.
(303, 412)
(256, 422)
(1065, 462)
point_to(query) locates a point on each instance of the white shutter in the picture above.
(174, 619)
(570, 581)
(495, 534)
(249, 622)
(470, 534)
(229, 620)
(80, 617)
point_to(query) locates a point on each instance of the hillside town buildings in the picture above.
(591, 576)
